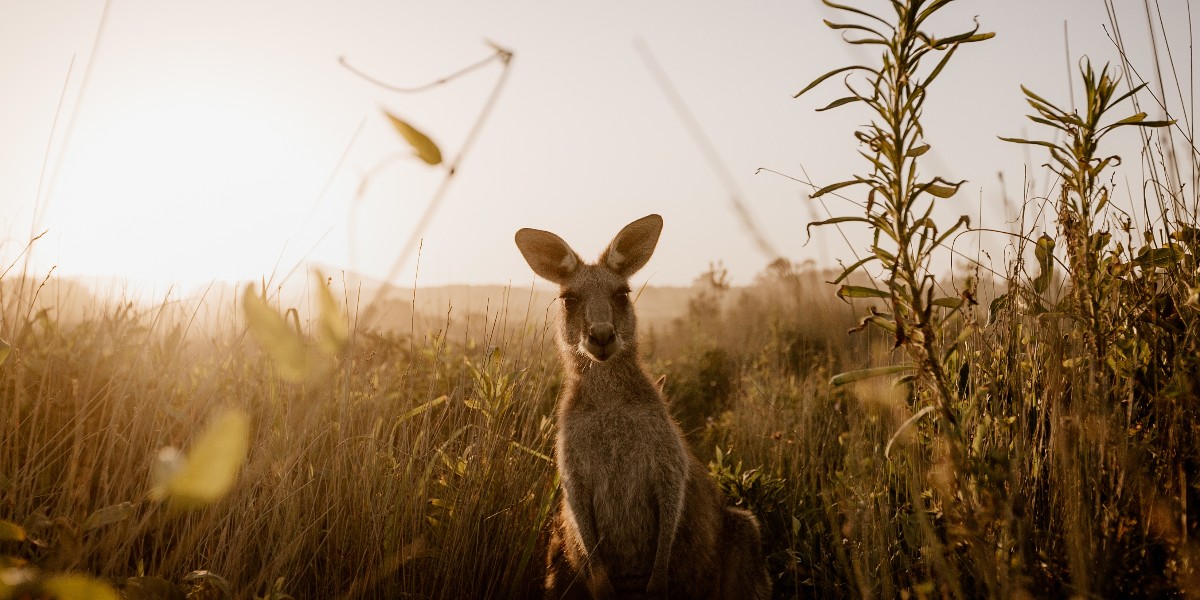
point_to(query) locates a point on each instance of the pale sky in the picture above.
(207, 130)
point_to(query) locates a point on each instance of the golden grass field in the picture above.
(1029, 432)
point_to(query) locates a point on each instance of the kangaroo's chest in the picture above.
(619, 462)
(630, 445)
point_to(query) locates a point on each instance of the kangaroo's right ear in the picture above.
(632, 247)
(548, 254)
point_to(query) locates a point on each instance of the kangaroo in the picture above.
(640, 516)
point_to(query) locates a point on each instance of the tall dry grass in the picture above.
(418, 466)
(1056, 455)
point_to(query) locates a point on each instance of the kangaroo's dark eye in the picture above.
(621, 297)
(569, 300)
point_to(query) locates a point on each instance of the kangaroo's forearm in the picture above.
(579, 504)
(670, 511)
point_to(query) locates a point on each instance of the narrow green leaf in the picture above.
(882, 320)
(425, 148)
(858, 291)
(979, 37)
(852, 268)
(884, 256)
(1138, 118)
(855, 27)
(963, 38)
(1100, 165)
(866, 41)
(1033, 142)
(916, 151)
(857, 11)
(938, 69)
(1055, 123)
(929, 10)
(822, 78)
(834, 187)
(839, 102)
(852, 376)
(963, 220)
(1028, 92)
(1131, 92)
(834, 221)
(925, 222)
(937, 187)
(941, 191)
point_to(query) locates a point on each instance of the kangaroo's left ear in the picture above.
(548, 254)
(631, 249)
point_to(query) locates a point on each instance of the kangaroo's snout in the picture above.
(601, 333)
(601, 341)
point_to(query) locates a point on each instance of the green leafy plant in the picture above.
(1127, 338)
(899, 202)
(1096, 267)
(899, 206)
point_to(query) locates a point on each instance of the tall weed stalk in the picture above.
(899, 206)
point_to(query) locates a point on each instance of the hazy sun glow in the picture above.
(181, 187)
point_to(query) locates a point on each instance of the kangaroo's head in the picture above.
(596, 319)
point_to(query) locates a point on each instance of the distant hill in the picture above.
(477, 310)
(429, 307)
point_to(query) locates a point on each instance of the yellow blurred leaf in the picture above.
(78, 587)
(10, 562)
(425, 148)
(281, 342)
(210, 468)
(167, 464)
(332, 325)
(11, 532)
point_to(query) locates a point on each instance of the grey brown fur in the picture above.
(639, 515)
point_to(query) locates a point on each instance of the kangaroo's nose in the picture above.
(601, 334)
